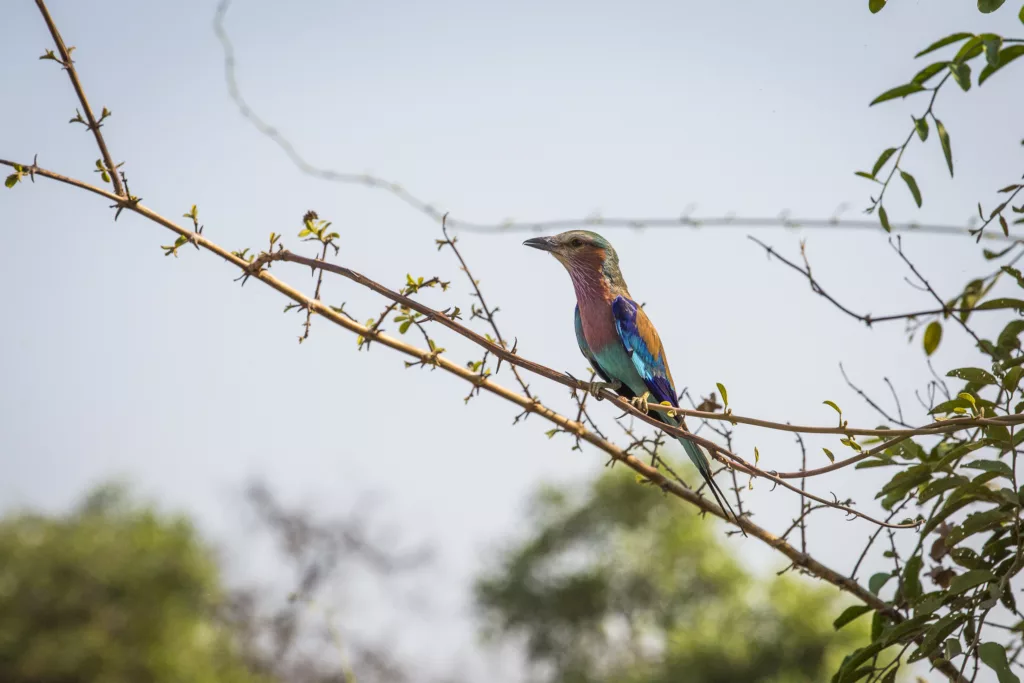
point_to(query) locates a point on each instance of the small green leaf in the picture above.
(992, 44)
(975, 375)
(1006, 55)
(921, 126)
(986, 6)
(969, 580)
(962, 75)
(828, 454)
(969, 398)
(969, 50)
(1002, 302)
(929, 72)
(834, 407)
(994, 656)
(849, 614)
(936, 634)
(1012, 378)
(724, 393)
(882, 158)
(997, 466)
(878, 581)
(11, 180)
(876, 5)
(883, 218)
(898, 91)
(932, 337)
(912, 184)
(944, 141)
(911, 578)
(948, 40)
(906, 630)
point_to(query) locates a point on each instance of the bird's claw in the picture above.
(594, 389)
(640, 402)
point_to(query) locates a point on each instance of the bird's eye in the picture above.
(576, 242)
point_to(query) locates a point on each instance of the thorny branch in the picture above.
(256, 269)
(93, 125)
(865, 318)
(937, 427)
(898, 246)
(881, 411)
(484, 312)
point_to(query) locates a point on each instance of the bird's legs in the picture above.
(595, 388)
(640, 402)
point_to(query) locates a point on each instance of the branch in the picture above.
(898, 246)
(256, 269)
(93, 124)
(937, 427)
(871, 402)
(684, 220)
(865, 318)
(485, 311)
(123, 200)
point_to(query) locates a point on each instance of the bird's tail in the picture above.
(696, 455)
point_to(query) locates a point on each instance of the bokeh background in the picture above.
(120, 363)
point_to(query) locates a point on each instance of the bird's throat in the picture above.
(594, 297)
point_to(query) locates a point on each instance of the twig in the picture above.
(684, 220)
(487, 313)
(865, 318)
(872, 403)
(93, 125)
(898, 246)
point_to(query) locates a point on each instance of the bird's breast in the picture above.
(598, 323)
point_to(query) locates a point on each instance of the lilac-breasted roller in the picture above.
(615, 334)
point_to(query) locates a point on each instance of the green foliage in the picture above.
(947, 151)
(14, 178)
(932, 337)
(110, 593)
(961, 575)
(621, 584)
(987, 6)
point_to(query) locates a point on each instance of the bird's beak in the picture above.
(542, 243)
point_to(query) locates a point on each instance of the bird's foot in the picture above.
(640, 402)
(595, 388)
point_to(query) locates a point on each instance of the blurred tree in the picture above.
(620, 585)
(111, 593)
(114, 592)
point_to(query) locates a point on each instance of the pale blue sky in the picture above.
(119, 361)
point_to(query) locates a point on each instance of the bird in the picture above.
(616, 336)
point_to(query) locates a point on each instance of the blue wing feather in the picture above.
(649, 362)
(642, 344)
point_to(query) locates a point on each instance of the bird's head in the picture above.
(581, 252)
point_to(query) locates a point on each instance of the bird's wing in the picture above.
(585, 348)
(648, 355)
(644, 348)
